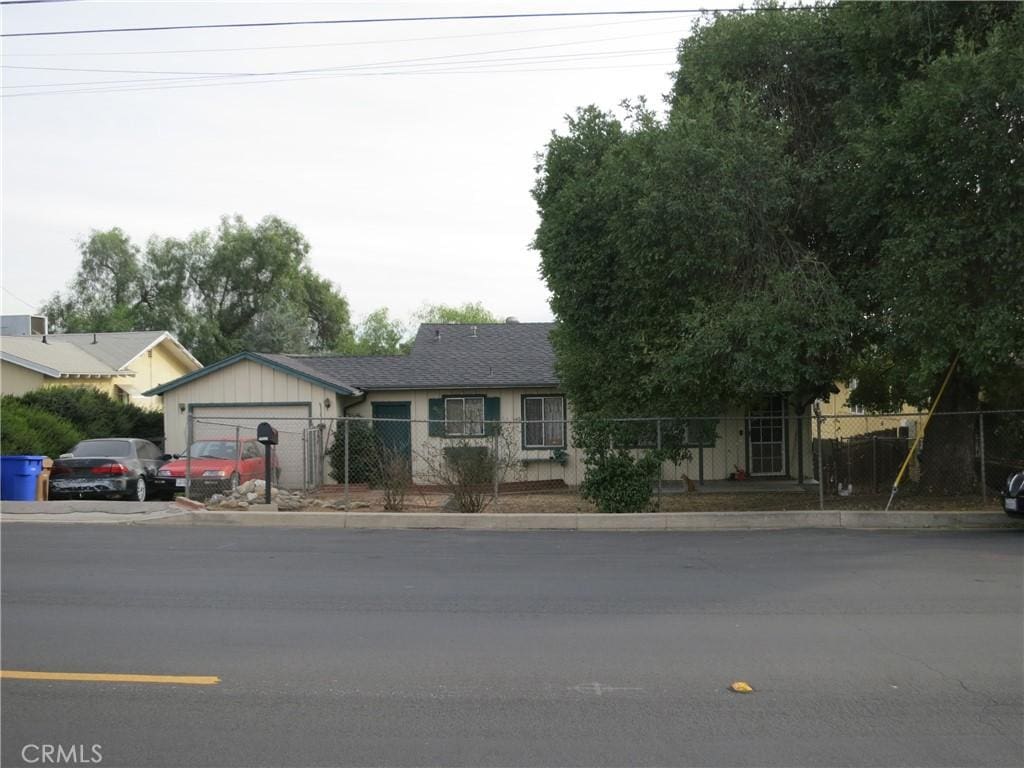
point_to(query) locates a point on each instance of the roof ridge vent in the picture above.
(472, 332)
(437, 334)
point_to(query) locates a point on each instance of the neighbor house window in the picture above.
(463, 416)
(544, 422)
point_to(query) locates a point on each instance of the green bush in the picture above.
(28, 430)
(619, 482)
(96, 414)
(365, 454)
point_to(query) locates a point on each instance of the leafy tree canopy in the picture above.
(834, 191)
(241, 287)
(469, 312)
(379, 334)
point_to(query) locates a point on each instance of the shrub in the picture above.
(365, 452)
(96, 414)
(28, 430)
(468, 469)
(618, 482)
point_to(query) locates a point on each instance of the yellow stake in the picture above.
(920, 432)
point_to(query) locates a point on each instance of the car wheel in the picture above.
(140, 489)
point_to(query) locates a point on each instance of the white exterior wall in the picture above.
(537, 468)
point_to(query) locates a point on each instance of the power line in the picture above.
(35, 2)
(334, 75)
(343, 44)
(383, 20)
(428, 65)
(562, 44)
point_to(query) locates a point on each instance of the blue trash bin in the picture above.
(18, 477)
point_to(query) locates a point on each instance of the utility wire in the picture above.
(411, 66)
(342, 44)
(517, 49)
(386, 20)
(333, 76)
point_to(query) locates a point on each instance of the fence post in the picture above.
(981, 430)
(700, 454)
(821, 465)
(346, 463)
(874, 464)
(661, 464)
(497, 429)
(189, 434)
(238, 452)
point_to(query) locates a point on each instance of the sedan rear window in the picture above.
(111, 448)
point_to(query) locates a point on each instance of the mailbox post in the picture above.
(267, 435)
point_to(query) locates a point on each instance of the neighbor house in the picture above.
(842, 419)
(456, 382)
(123, 364)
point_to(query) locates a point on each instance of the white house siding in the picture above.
(721, 459)
(511, 411)
(245, 394)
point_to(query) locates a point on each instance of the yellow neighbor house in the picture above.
(124, 365)
(845, 420)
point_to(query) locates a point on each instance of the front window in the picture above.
(464, 416)
(544, 422)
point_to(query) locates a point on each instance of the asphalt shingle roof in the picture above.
(116, 349)
(57, 357)
(446, 356)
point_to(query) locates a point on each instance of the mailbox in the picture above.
(266, 434)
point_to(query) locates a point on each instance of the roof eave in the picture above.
(255, 357)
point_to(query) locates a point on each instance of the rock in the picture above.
(358, 505)
(243, 505)
(251, 497)
(289, 505)
(217, 498)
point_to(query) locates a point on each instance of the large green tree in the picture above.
(240, 287)
(470, 312)
(835, 191)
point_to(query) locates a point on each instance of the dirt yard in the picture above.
(568, 501)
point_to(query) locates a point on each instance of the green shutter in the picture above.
(435, 413)
(492, 415)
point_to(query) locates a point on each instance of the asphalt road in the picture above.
(456, 648)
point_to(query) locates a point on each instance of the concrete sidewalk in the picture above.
(89, 511)
(187, 513)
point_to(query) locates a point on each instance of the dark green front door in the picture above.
(395, 436)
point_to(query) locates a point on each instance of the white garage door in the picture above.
(290, 421)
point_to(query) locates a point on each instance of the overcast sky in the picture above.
(408, 168)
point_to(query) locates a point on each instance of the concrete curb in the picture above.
(658, 521)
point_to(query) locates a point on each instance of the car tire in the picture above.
(140, 489)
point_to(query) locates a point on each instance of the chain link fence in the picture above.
(829, 459)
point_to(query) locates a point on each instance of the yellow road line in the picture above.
(90, 677)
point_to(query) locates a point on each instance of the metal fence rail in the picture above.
(825, 457)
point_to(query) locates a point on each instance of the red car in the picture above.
(216, 466)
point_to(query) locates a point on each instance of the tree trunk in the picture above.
(948, 455)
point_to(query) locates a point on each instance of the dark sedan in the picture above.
(109, 468)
